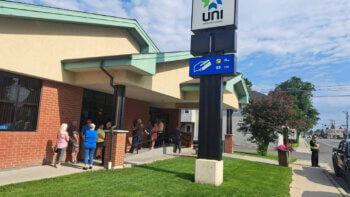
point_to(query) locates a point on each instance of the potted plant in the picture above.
(283, 155)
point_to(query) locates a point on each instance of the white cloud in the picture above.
(297, 33)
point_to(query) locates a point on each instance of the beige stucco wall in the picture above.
(36, 48)
(230, 101)
(169, 77)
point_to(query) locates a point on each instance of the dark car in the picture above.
(341, 160)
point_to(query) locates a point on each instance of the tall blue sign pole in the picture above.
(214, 24)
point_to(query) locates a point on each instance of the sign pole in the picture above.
(214, 26)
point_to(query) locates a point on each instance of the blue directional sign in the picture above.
(225, 64)
(3, 127)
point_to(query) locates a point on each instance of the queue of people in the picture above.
(93, 140)
(155, 135)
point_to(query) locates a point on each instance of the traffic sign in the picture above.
(225, 64)
(207, 14)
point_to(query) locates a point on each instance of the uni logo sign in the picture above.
(212, 15)
(207, 14)
(213, 4)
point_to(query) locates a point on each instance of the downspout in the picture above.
(114, 107)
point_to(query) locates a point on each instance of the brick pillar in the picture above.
(229, 143)
(118, 148)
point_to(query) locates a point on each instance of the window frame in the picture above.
(17, 103)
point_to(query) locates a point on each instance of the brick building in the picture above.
(50, 73)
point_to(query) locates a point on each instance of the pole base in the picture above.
(210, 172)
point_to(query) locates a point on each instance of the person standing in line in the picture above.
(86, 127)
(149, 136)
(90, 138)
(154, 134)
(139, 129)
(62, 144)
(160, 133)
(74, 139)
(108, 127)
(100, 141)
(314, 151)
(177, 138)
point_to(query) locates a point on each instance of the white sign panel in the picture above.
(292, 134)
(208, 14)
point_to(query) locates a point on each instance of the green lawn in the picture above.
(268, 156)
(164, 178)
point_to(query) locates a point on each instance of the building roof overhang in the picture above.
(10, 9)
(144, 64)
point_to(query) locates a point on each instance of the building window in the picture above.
(19, 102)
(187, 111)
(188, 129)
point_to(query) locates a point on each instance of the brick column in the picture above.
(229, 143)
(118, 148)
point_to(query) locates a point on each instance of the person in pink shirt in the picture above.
(154, 132)
(62, 144)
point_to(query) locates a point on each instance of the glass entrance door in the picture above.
(97, 106)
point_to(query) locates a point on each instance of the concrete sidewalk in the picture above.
(158, 154)
(313, 182)
(33, 173)
(18, 175)
(303, 146)
(249, 158)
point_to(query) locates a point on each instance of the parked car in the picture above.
(341, 160)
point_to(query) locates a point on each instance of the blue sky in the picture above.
(277, 39)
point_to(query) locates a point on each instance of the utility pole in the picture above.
(347, 122)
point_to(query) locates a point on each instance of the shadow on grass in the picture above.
(186, 176)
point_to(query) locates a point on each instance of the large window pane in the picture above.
(29, 91)
(19, 102)
(26, 117)
(8, 87)
(6, 116)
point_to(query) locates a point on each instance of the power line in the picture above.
(331, 96)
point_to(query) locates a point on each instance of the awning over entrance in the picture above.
(162, 79)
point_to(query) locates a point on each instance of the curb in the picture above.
(334, 182)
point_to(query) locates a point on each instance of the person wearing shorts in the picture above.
(100, 141)
(74, 139)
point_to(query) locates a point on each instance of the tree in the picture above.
(249, 84)
(265, 117)
(301, 93)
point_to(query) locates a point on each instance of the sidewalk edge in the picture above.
(336, 185)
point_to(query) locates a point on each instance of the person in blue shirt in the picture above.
(90, 138)
(177, 138)
(86, 127)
